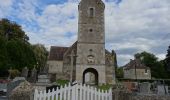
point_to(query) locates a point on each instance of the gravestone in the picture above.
(162, 89)
(13, 84)
(24, 72)
(43, 80)
(145, 87)
(24, 91)
(33, 78)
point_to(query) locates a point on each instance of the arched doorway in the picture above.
(90, 76)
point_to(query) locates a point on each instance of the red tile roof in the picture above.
(56, 53)
(135, 63)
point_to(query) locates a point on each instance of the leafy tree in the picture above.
(20, 54)
(11, 30)
(119, 72)
(3, 57)
(167, 60)
(15, 50)
(40, 54)
(150, 60)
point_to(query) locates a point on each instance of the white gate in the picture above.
(76, 92)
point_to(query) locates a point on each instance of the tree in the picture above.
(20, 54)
(11, 30)
(150, 60)
(15, 50)
(40, 54)
(167, 60)
(119, 72)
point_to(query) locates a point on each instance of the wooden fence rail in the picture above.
(76, 92)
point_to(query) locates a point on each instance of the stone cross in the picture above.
(33, 75)
(72, 60)
(24, 72)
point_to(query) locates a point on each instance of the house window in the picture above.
(146, 71)
(91, 12)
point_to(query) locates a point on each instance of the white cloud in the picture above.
(133, 24)
(5, 3)
(5, 7)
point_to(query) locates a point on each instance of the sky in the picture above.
(131, 26)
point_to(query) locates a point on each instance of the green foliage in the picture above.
(119, 72)
(40, 54)
(20, 54)
(11, 30)
(14, 73)
(15, 50)
(62, 82)
(150, 60)
(105, 87)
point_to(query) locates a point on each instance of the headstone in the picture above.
(24, 91)
(145, 88)
(13, 84)
(43, 80)
(24, 72)
(162, 89)
(33, 75)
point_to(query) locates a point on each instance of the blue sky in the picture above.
(132, 26)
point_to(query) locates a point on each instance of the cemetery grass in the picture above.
(104, 87)
(62, 82)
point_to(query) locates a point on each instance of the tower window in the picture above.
(91, 30)
(91, 12)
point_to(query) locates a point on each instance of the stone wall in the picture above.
(123, 95)
(130, 74)
(24, 91)
(150, 97)
(55, 66)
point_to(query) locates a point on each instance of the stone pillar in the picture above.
(33, 75)
(24, 91)
(24, 72)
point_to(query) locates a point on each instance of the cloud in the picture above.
(5, 7)
(131, 25)
(135, 26)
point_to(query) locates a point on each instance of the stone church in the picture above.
(87, 58)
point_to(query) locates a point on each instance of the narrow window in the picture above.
(146, 71)
(91, 30)
(91, 12)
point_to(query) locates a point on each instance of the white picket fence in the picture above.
(76, 92)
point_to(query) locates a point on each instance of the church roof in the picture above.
(135, 64)
(56, 53)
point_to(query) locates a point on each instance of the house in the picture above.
(135, 69)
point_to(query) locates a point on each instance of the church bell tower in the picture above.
(91, 41)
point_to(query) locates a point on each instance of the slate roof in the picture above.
(135, 63)
(56, 53)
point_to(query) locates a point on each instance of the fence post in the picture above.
(110, 94)
(99, 94)
(69, 91)
(95, 93)
(84, 92)
(35, 94)
(56, 93)
(52, 94)
(91, 93)
(80, 92)
(65, 87)
(44, 95)
(73, 93)
(48, 95)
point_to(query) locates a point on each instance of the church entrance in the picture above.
(90, 76)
